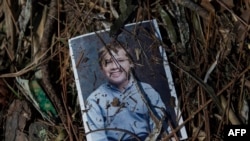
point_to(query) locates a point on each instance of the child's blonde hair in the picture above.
(113, 46)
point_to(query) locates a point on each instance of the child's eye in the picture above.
(107, 62)
(121, 60)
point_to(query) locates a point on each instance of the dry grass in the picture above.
(207, 43)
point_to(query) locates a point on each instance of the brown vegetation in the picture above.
(207, 42)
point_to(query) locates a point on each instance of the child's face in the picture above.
(117, 68)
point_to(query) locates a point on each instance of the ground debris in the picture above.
(18, 115)
(38, 131)
(214, 45)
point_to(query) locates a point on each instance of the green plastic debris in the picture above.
(40, 96)
(32, 90)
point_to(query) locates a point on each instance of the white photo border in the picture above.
(165, 65)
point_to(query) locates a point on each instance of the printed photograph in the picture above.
(124, 84)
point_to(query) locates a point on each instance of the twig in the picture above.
(208, 102)
(229, 112)
(63, 68)
(45, 43)
(11, 88)
(195, 7)
(239, 18)
(89, 11)
(30, 66)
(206, 87)
(206, 117)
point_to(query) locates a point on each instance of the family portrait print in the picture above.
(124, 84)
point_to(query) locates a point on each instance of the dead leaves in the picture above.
(19, 114)
(116, 102)
(213, 43)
